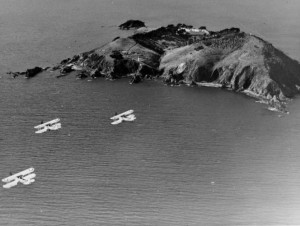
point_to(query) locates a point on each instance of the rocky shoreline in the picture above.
(182, 54)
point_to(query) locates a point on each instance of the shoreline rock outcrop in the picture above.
(29, 73)
(132, 24)
(181, 54)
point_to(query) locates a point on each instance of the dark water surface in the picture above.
(194, 156)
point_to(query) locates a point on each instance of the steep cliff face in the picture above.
(182, 54)
(237, 61)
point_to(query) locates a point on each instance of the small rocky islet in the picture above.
(182, 54)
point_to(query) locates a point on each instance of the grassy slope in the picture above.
(240, 62)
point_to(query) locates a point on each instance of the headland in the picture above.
(181, 54)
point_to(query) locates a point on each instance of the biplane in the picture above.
(51, 125)
(25, 177)
(125, 116)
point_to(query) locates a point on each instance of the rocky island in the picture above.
(182, 54)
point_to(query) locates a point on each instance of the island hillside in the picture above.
(182, 54)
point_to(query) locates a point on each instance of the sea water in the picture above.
(194, 156)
